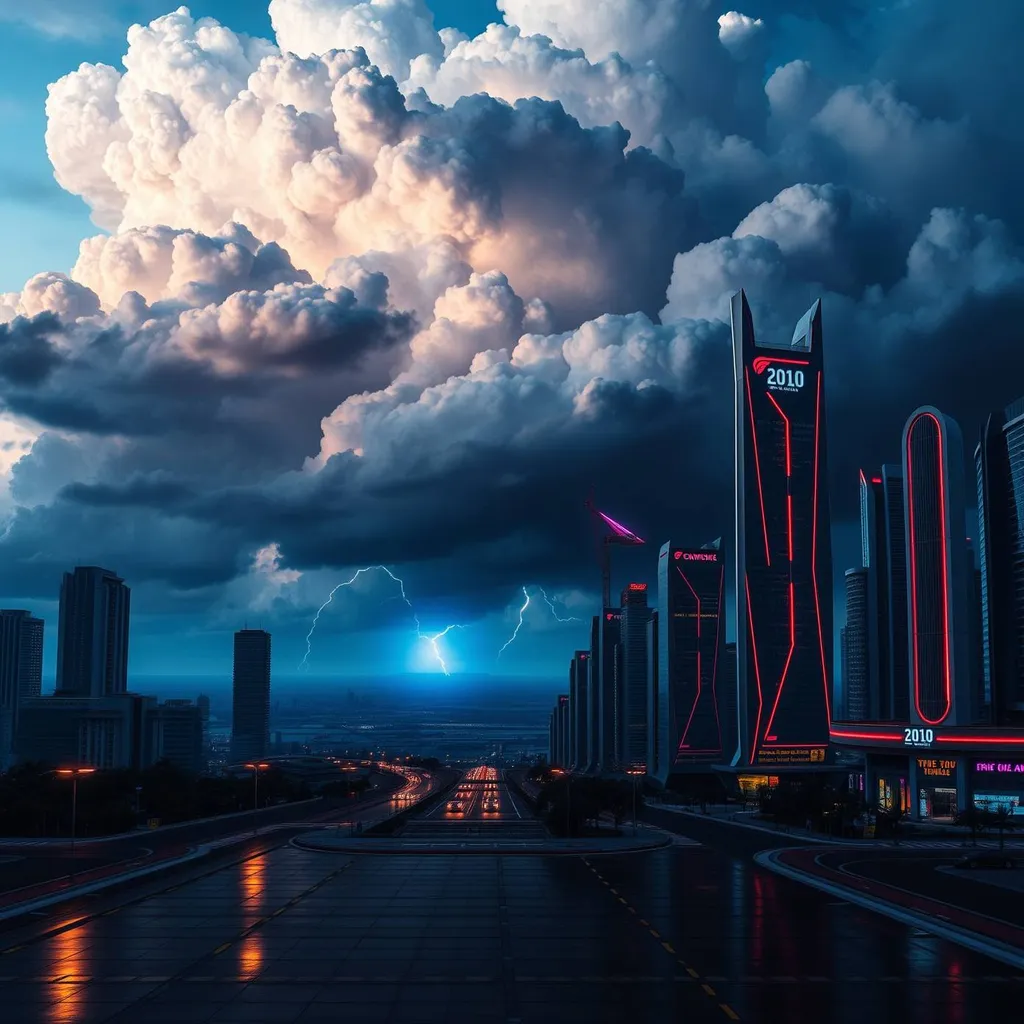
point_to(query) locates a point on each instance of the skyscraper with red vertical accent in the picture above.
(939, 577)
(783, 545)
(691, 638)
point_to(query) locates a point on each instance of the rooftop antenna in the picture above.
(609, 532)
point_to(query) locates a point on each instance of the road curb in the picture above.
(27, 906)
(357, 847)
(1004, 953)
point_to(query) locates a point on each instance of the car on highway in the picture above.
(993, 859)
(455, 807)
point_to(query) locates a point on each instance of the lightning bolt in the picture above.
(558, 618)
(519, 624)
(432, 640)
(522, 612)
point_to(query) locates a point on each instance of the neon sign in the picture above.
(697, 556)
(638, 586)
(999, 767)
(933, 767)
(918, 737)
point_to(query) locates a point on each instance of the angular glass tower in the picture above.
(783, 545)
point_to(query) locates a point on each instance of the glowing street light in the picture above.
(256, 767)
(73, 774)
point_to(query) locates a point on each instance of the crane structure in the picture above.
(613, 533)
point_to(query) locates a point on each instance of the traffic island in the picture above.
(489, 839)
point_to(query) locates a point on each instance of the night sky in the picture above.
(408, 297)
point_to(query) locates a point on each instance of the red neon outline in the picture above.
(696, 698)
(757, 466)
(994, 740)
(897, 737)
(718, 643)
(760, 363)
(913, 571)
(814, 554)
(757, 670)
(792, 596)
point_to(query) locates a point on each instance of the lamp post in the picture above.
(257, 767)
(73, 773)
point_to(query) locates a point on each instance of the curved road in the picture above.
(684, 933)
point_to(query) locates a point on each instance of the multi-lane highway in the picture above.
(696, 933)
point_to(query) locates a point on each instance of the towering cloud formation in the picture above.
(380, 292)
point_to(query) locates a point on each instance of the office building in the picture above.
(609, 702)
(250, 706)
(691, 634)
(580, 679)
(884, 555)
(632, 687)
(856, 651)
(652, 694)
(92, 633)
(783, 545)
(553, 737)
(174, 732)
(838, 699)
(21, 672)
(594, 697)
(563, 730)
(999, 470)
(939, 580)
(730, 703)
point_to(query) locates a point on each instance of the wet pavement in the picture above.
(694, 933)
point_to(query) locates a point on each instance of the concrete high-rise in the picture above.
(250, 705)
(856, 649)
(691, 634)
(92, 633)
(652, 694)
(609, 702)
(938, 581)
(783, 544)
(633, 683)
(21, 671)
(594, 697)
(884, 555)
(999, 470)
(581, 674)
(563, 730)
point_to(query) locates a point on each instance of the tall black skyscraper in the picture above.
(999, 467)
(609, 702)
(594, 696)
(856, 649)
(92, 633)
(783, 544)
(579, 684)
(691, 635)
(250, 705)
(633, 685)
(884, 555)
(939, 580)
(21, 670)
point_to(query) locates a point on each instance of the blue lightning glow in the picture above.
(519, 624)
(432, 640)
(522, 612)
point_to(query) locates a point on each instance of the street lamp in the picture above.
(74, 773)
(256, 767)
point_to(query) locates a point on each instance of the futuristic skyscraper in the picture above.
(783, 545)
(691, 585)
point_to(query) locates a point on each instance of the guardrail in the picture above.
(390, 825)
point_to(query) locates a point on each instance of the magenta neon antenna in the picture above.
(619, 535)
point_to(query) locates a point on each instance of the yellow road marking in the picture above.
(729, 1011)
(220, 949)
(668, 947)
(707, 988)
(692, 972)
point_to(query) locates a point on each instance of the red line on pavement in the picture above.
(989, 927)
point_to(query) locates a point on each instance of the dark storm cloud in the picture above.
(460, 444)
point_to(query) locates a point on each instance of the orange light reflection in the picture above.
(66, 973)
(254, 882)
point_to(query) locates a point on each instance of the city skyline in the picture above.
(435, 377)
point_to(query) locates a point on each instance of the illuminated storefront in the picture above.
(934, 773)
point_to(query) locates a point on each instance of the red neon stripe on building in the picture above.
(696, 697)
(814, 554)
(913, 573)
(785, 420)
(718, 643)
(757, 466)
(997, 741)
(757, 670)
(842, 734)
